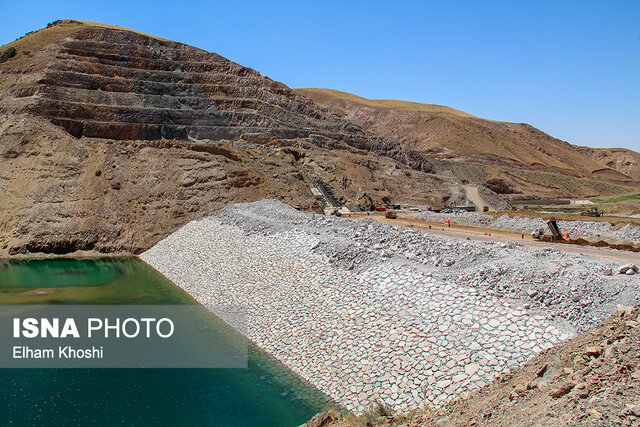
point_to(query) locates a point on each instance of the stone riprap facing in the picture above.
(366, 311)
(527, 225)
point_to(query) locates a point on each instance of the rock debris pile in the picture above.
(516, 223)
(370, 312)
(466, 218)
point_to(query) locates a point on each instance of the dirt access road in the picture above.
(477, 233)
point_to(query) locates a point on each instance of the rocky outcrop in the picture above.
(7, 54)
(122, 85)
(117, 84)
(61, 195)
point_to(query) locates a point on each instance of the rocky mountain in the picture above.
(518, 158)
(116, 84)
(111, 139)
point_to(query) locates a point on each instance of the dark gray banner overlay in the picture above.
(122, 336)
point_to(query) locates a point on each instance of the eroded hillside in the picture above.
(525, 160)
(623, 160)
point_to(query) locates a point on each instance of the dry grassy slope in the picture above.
(447, 133)
(38, 39)
(341, 99)
(550, 185)
(623, 160)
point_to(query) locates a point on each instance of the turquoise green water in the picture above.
(264, 394)
(56, 273)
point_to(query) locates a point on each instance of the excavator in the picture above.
(368, 207)
(388, 204)
(230, 143)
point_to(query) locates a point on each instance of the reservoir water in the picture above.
(264, 394)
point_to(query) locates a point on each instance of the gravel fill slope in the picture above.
(369, 311)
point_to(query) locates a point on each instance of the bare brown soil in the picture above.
(405, 219)
(615, 220)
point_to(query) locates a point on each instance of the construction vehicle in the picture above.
(592, 211)
(555, 230)
(387, 203)
(232, 141)
(369, 206)
(537, 233)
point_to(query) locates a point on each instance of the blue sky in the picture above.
(570, 68)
